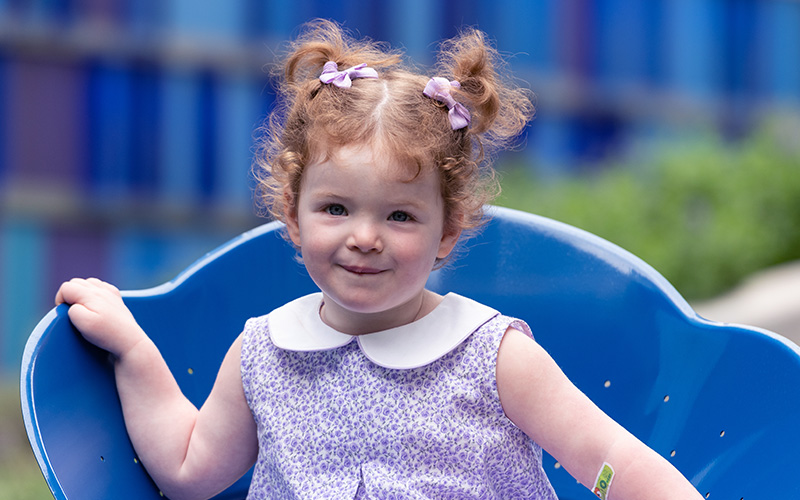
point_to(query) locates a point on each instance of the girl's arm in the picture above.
(188, 453)
(540, 400)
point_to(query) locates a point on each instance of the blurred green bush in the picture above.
(703, 212)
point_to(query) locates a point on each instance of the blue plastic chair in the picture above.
(721, 402)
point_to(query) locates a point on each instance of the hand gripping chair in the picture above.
(721, 402)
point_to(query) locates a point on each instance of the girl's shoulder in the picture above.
(485, 342)
(254, 329)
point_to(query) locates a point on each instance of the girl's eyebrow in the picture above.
(327, 194)
(412, 203)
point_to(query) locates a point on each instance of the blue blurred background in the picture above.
(126, 126)
(126, 129)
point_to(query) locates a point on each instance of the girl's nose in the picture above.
(365, 237)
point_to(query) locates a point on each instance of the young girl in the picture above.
(375, 387)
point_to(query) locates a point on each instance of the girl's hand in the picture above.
(188, 453)
(97, 311)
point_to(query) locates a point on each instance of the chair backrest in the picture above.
(719, 401)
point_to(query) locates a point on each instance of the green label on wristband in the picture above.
(603, 481)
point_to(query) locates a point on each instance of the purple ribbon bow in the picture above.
(439, 89)
(344, 79)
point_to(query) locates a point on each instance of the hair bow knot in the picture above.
(439, 89)
(344, 79)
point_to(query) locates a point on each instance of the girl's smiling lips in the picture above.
(361, 270)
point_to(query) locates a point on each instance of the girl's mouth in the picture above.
(360, 270)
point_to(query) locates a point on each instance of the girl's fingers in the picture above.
(81, 316)
(67, 292)
(78, 290)
(97, 310)
(104, 285)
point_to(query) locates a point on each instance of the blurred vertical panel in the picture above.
(577, 30)
(653, 45)
(58, 11)
(180, 138)
(4, 120)
(331, 10)
(620, 50)
(540, 29)
(46, 146)
(451, 16)
(693, 52)
(415, 24)
(738, 55)
(526, 30)
(211, 19)
(110, 91)
(143, 17)
(239, 113)
(100, 12)
(780, 51)
(76, 252)
(738, 44)
(207, 128)
(361, 15)
(146, 124)
(23, 298)
(280, 18)
(528, 34)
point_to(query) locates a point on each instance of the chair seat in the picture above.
(719, 401)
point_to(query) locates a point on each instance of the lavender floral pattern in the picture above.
(331, 424)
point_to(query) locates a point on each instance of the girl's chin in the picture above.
(371, 305)
(365, 307)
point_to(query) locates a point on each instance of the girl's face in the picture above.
(369, 236)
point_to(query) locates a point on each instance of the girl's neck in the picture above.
(354, 323)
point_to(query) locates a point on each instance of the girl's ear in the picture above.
(452, 231)
(292, 224)
(447, 244)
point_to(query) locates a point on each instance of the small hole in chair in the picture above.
(708, 494)
(102, 458)
(607, 384)
(666, 398)
(672, 453)
(557, 465)
(135, 460)
(191, 371)
(722, 434)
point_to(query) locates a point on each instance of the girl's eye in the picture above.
(399, 217)
(336, 210)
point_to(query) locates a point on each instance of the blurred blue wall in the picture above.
(126, 125)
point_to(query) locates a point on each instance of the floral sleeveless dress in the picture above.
(407, 413)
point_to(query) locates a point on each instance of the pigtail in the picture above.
(500, 110)
(322, 41)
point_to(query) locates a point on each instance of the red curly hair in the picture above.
(391, 113)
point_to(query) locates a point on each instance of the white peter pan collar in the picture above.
(297, 326)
